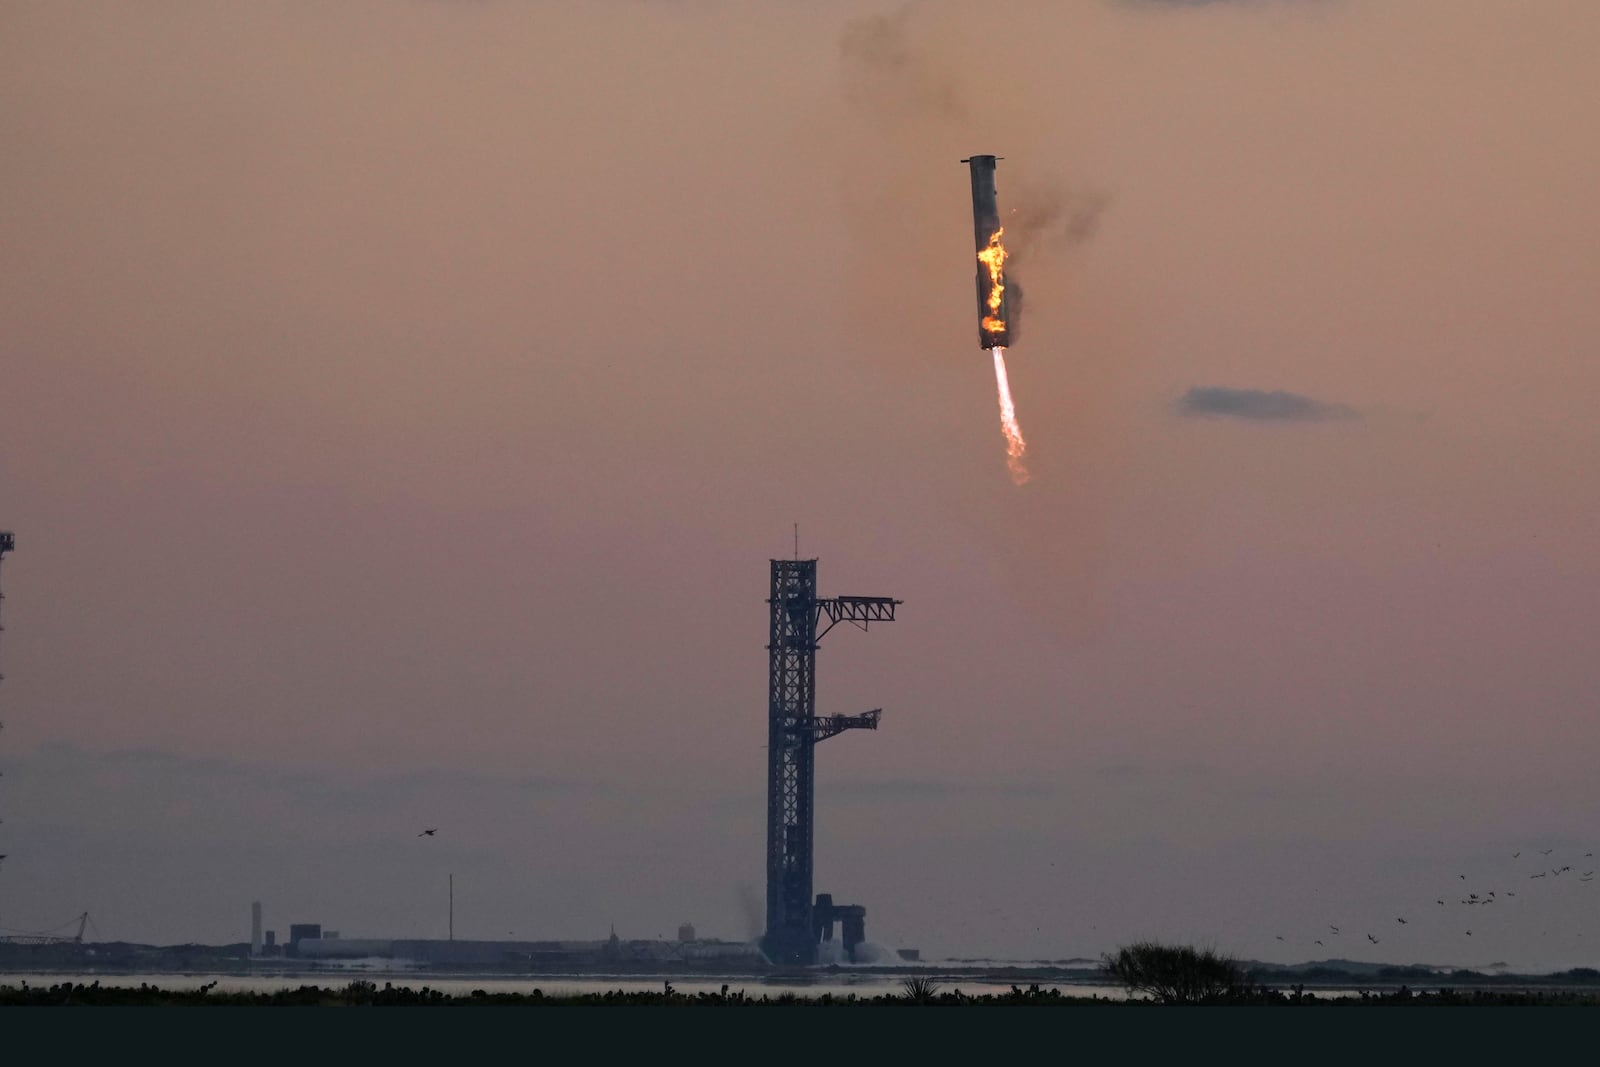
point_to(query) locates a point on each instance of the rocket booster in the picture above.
(992, 329)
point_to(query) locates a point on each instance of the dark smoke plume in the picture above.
(755, 919)
(890, 78)
(1051, 217)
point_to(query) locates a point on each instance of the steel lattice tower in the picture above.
(8, 542)
(793, 730)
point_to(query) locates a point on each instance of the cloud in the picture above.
(1258, 405)
(1177, 5)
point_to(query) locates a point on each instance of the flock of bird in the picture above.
(1487, 897)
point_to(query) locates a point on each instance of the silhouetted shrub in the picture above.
(1176, 974)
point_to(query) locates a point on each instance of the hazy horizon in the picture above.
(400, 402)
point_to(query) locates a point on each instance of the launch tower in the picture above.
(8, 542)
(794, 924)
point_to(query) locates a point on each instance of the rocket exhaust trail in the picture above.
(1016, 447)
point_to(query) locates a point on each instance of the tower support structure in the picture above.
(8, 543)
(793, 731)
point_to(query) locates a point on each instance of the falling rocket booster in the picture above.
(992, 329)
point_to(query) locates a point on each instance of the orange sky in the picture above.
(424, 385)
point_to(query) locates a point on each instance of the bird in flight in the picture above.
(1372, 939)
(1319, 942)
(1514, 855)
(1546, 851)
(1440, 902)
(1278, 936)
(1469, 933)
(429, 833)
(1462, 877)
(1334, 928)
(1402, 922)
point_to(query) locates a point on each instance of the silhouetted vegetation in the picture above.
(367, 994)
(1177, 974)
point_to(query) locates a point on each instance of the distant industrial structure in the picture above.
(312, 944)
(797, 925)
(527, 955)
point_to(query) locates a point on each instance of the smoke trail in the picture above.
(750, 903)
(1016, 447)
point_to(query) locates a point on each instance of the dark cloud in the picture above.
(1258, 405)
(1178, 5)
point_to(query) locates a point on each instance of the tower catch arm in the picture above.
(859, 610)
(822, 727)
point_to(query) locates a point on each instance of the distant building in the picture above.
(526, 955)
(912, 954)
(686, 932)
(299, 932)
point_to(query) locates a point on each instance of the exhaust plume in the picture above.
(1016, 447)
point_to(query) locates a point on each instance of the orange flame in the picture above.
(1016, 447)
(994, 257)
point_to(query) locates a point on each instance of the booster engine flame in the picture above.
(1016, 447)
(994, 257)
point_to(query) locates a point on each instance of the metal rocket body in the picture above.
(985, 224)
